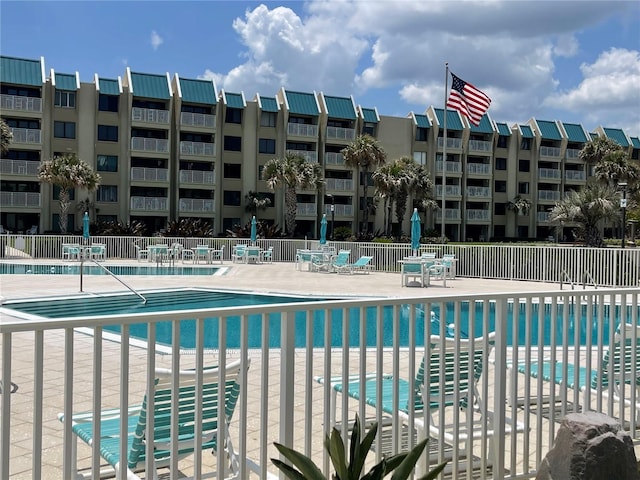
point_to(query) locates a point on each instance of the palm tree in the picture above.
(364, 154)
(256, 202)
(615, 167)
(292, 172)
(68, 172)
(6, 136)
(587, 207)
(595, 150)
(386, 184)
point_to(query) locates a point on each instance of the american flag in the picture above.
(468, 100)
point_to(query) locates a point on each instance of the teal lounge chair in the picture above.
(340, 260)
(363, 264)
(136, 435)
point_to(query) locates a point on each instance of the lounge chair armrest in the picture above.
(337, 380)
(109, 414)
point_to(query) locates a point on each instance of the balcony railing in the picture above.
(451, 143)
(189, 119)
(333, 158)
(550, 152)
(19, 167)
(478, 168)
(197, 177)
(158, 204)
(574, 175)
(157, 145)
(573, 154)
(198, 148)
(480, 146)
(306, 209)
(143, 174)
(341, 210)
(20, 199)
(197, 205)
(150, 115)
(543, 217)
(20, 103)
(549, 173)
(26, 135)
(478, 214)
(484, 192)
(309, 156)
(340, 133)
(344, 184)
(450, 214)
(302, 130)
(452, 167)
(450, 191)
(548, 195)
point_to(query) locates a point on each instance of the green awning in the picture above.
(484, 127)
(108, 86)
(370, 115)
(423, 121)
(198, 91)
(526, 131)
(234, 100)
(503, 129)
(302, 103)
(617, 135)
(575, 132)
(549, 130)
(20, 71)
(66, 81)
(635, 141)
(269, 104)
(453, 119)
(340, 107)
(150, 86)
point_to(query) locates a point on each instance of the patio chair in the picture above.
(136, 435)
(340, 260)
(201, 252)
(363, 264)
(98, 251)
(141, 254)
(252, 254)
(3, 230)
(238, 254)
(267, 255)
(413, 270)
(217, 255)
(32, 231)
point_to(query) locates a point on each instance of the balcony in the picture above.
(143, 174)
(197, 177)
(451, 143)
(196, 205)
(344, 184)
(19, 167)
(341, 210)
(334, 158)
(150, 115)
(552, 152)
(30, 136)
(478, 168)
(188, 119)
(575, 175)
(450, 191)
(306, 209)
(18, 103)
(309, 156)
(149, 204)
(339, 133)
(302, 130)
(480, 146)
(548, 195)
(549, 173)
(573, 154)
(449, 214)
(20, 199)
(452, 167)
(153, 145)
(478, 215)
(542, 217)
(199, 149)
(479, 192)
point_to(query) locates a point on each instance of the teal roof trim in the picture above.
(302, 103)
(549, 130)
(234, 100)
(453, 119)
(19, 71)
(65, 81)
(340, 107)
(369, 115)
(526, 131)
(108, 86)
(150, 86)
(617, 135)
(484, 127)
(423, 121)
(593, 135)
(575, 132)
(198, 91)
(635, 141)
(269, 104)
(503, 129)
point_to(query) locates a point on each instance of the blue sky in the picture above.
(575, 61)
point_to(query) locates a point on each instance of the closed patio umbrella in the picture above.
(85, 225)
(415, 231)
(254, 233)
(323, 230)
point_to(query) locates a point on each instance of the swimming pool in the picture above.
(542, 319)
(119, 270)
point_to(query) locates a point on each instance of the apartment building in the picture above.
(169, 147)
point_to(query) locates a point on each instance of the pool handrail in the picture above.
(144, 300)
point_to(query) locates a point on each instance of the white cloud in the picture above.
(156, 40)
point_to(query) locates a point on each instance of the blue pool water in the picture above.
(119, 270)
(191, 299)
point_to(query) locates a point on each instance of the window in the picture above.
(369, 129)
(229, 223)
(107, 193)
(56, 193)
(523, 231)
(232, 170)
(421, 134)
(268, 119)
(64, 129)
(232, 144)
(523, 187)
(231, 198)
(499, 231)
(501, 163)
(499, 209)
(420, 158)
(267, 145)
(107, 163)
(108, 133)
(502, 141)
(524, 165)
(500, 186)
(525, 144)
(233, 115)
(65, 99)
(23, 123)
(108, 103)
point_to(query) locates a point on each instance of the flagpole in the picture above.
(444, 151)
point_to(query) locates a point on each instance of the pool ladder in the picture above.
(585, 276)
(144, 300)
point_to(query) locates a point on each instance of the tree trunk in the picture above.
(365, 217)
(592, 236)
(64, 209)
(291, 208)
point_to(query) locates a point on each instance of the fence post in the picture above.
(500, 388)
(287, 378)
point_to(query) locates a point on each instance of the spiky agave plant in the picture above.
(400, 464)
